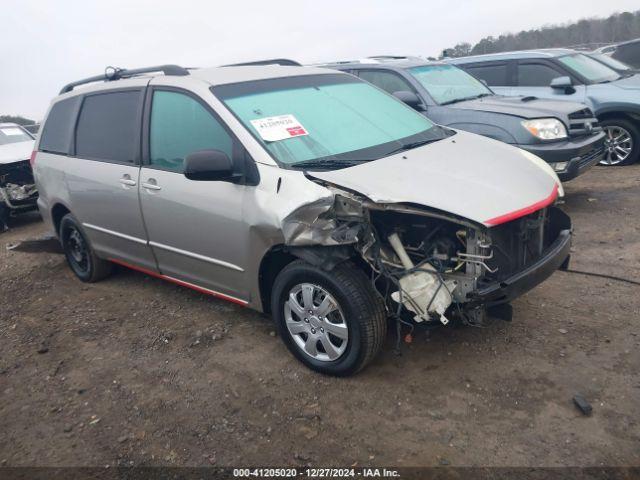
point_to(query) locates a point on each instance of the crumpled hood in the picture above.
(16, 152)
(519, 107)
(474, 177)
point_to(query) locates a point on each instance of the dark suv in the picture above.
(565, 135)
(562, 74)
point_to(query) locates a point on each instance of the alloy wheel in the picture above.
(618, 145)
(316, 323)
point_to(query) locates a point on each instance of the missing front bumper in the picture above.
(555, 256)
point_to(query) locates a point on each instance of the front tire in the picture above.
(80, 256)
(622, 144)
(333, 322)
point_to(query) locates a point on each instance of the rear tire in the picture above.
(80, 256)
(333, 322)
(622, 144)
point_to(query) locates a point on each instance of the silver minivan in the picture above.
(302, 192)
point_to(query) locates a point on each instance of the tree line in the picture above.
(590, 33)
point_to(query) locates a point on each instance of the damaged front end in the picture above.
(430, 266)
(18, 191)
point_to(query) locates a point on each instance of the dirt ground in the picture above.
(135, 371)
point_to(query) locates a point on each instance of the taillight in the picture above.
(32, 160)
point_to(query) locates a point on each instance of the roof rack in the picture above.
(114, 73)
(383, 58)
(273, 61)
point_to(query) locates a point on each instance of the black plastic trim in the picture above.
(523, 281)
(274, 61)
(118, 74)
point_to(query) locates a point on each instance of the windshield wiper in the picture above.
(325, 163)
(611, 80)
(411, 146)
(456, 100)
(464, 99)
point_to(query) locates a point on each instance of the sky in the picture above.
(49, 43)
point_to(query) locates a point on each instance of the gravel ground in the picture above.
(134, 371)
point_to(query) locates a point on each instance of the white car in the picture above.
(17, 189)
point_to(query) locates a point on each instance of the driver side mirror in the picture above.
(208, 165)
(563, 83)
(409, 98)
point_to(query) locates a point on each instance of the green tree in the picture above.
(589, 32)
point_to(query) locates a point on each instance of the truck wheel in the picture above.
(333, 322)
(80, 256)
(622, 144)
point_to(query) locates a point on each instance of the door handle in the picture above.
(127, 180)
(151, 185)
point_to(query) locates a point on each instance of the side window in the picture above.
(536, 75)
(181, 125)
(629, 54)
(387, 81)
(109, 126)
(58, 130)
(495, 74)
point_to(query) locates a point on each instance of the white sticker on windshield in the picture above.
(281, 127)
(11, 131)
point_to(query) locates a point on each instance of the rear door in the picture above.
(196, 228)
(102, 175)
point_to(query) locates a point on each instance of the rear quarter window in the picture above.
(57, 131)
(109, 126)
(388, 81)
(629, 54)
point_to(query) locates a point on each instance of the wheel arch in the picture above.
(58, 211)
(279, 256)
(629, 115)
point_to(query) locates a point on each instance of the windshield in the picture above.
(326, 121)
(449, 84)
(611, 62)
(13, 134)
(590, 69)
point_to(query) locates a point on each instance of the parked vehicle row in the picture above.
(568, 75)
(334, 198)
(564, 134)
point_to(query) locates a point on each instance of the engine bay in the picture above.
(18, 192)
(429, 266)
